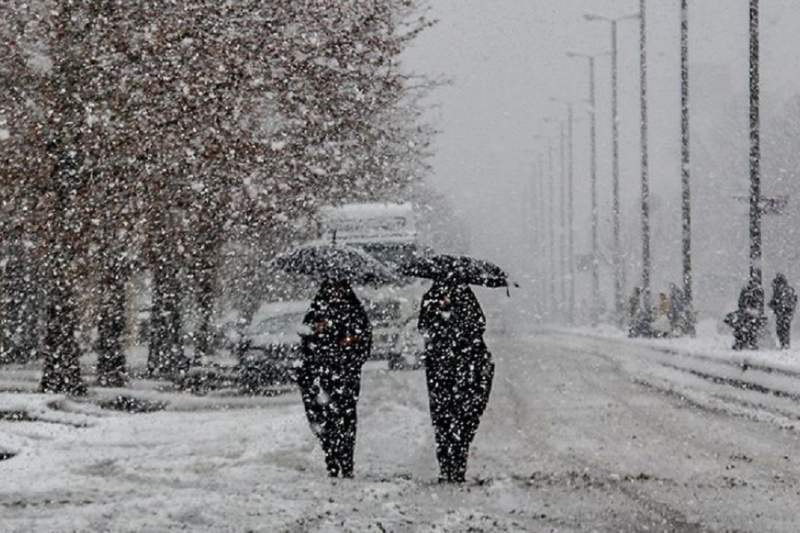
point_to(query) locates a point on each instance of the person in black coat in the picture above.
(329, 378)
(459, 372)
(747, 321)
(783, 304)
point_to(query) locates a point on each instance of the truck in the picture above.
(387, 231)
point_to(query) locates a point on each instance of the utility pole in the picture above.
(755, 151)
(686, 205)
(546, 200)
(567, 212)
(646, 263)
(540, 244)
(595, 264)
(618, 315)
(562, 252)
(595, 212)
(551, 227)
(615, 203)
(571, 216)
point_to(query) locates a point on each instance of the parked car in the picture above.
(269, 347)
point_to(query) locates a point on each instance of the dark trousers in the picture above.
(330, 397)
(458, 392)
(784, 329)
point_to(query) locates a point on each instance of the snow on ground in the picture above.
(711, 342)
(573, 440)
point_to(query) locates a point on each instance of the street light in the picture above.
(593, 178)
(686, 206)
(562, 211)
(755, 164)
(618, 281)
(550, 228)
(570, 196)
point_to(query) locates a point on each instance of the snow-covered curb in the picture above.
(769, 372)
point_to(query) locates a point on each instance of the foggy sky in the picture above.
(506, 59)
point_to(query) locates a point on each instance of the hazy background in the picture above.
(506, 58)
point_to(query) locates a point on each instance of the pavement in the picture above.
(581, 434)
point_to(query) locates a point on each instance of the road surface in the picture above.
(572, 441)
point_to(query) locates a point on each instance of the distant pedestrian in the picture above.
(330, 376)
(747, 321)
(634, 312)
(783, 304)
(458, 369)
(677, 311)
(661, 326)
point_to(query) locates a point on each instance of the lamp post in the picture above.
(615, 208)
(593, 183)
(551, 227)
(686, 206)
(542, 266)
(570, 209)
(755, 150)
(550, 196)
(562, 218)
(645, 187)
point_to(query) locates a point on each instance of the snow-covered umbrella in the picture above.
(456, 269)
(331, 261)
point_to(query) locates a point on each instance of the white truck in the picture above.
(387, 232)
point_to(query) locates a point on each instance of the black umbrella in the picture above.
(456, 269)
(331, 261)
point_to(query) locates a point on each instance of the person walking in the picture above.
(677, 310)
(747, 321)
(783, 304)
(458, 369)
(339, 342)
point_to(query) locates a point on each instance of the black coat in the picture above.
(784, 298)
(341, 333)
(452, 322)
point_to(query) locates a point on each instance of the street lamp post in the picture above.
(755, 150)
(595, 267)
(568, 211)
(551, 228)
(541, 238)
(646, 263)
(686, 206)
(571, 216)
(562, 218)
(615, 206)
(550, 200)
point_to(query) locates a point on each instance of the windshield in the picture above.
(279, 325)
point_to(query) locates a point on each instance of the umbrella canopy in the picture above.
(331, 261)
(457, 270)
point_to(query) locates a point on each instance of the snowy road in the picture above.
(571, 441)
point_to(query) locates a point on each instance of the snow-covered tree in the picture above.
(148, 134)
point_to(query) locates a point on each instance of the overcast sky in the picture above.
(506, 58)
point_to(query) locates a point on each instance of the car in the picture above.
(269, 347)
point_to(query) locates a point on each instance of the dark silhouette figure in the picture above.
(459, 372)
(678, 319)
(783, 304)
(330, 376)
(638, 315)
(748, 320)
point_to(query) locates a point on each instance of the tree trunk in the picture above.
(20, 307)
(61, 372)
(166, 357)
(205, 301)
(111, 371)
